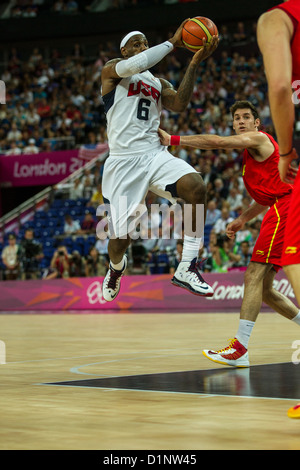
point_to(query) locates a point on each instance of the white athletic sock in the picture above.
(118, 266)
(244, 332)
(296, 319)
(191, 247)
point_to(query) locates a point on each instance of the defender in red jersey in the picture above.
(262, 180)
(278, 35)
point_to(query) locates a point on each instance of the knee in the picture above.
(252, 275)
(268, 294)
(194, 191)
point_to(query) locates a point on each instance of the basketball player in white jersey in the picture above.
(138, 162)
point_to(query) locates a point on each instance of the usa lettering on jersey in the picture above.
(145, 89)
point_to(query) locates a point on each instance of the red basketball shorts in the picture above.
(291, 247)
(269, 244)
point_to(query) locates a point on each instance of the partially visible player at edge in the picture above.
(137, 162)
(278, 36)
(262, 180)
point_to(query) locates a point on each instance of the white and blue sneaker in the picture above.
(188, 276)
(112, 282)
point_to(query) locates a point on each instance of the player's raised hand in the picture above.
(176, 40)
(207, 50)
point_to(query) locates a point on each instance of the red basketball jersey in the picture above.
(262, 179)
(292, 8)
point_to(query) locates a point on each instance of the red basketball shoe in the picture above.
(294, 412)
(235, 355)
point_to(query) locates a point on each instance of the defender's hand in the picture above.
(165, 138)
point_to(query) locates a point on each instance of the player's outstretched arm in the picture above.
(209, 142)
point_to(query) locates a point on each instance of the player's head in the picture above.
(133, 43)
(245, 117)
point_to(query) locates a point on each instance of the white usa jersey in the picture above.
(133, 115)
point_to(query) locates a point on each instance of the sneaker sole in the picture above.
(226, 363)
(177, 283)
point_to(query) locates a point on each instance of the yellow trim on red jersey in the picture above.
(275, 231)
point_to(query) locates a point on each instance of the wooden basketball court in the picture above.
(140, 382)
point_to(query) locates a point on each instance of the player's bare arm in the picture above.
(109, 76)
(250, 213)
(250, 140)
(177, 101)
(274, 33)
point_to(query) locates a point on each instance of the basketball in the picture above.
(197, 29)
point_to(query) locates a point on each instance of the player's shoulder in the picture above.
(112, 62)
(265, 136)
(273, 17)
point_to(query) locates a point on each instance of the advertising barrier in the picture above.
(139, 294)
(44, 168)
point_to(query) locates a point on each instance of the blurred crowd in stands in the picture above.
(62, 240)
(34, 8)
(54, 98)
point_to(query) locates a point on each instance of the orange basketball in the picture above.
(197, 29)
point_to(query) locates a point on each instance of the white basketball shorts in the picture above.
(127, 180)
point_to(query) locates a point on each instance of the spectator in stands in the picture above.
(32, 117)
(31, 148)
(76, 190)
(221, 192)
(212, 213)
(14, 149)
(88, 225)
(71, 6)
(241, 255)
(14, 134)
(97, 197)
(223, 221)
(71, 227)
(87, 174)
(218, 259)
(235, 199)
(208, 172)
(31, 254)
(240, 35)
(76, 264)
(96, 264)
(10, 258)
(59, 6)
(244, 235)
(60, 264)
(102, 247)
(87, 187)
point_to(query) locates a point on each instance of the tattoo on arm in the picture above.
(185, 90)
(178, 100)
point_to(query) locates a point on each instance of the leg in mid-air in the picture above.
(192, 190)
(117, 266)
